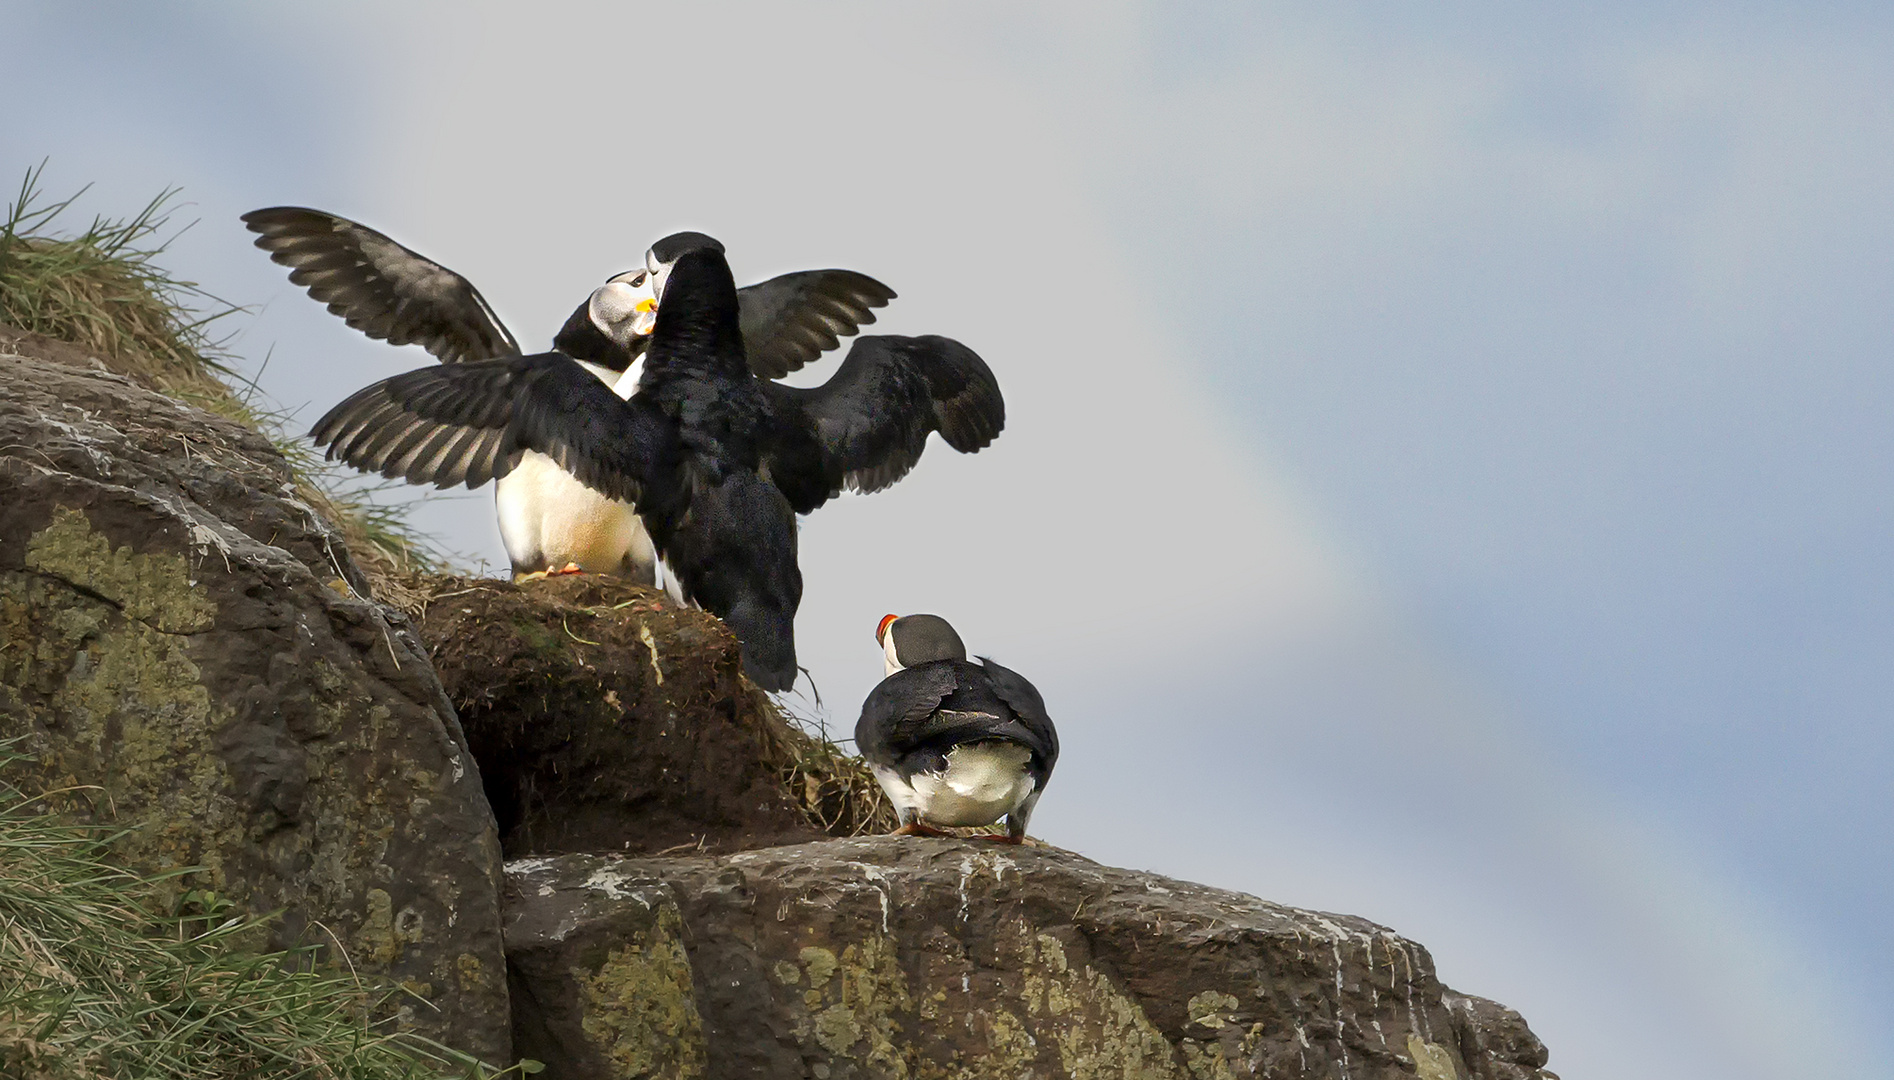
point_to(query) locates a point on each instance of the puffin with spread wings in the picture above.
(717, 461)
(549, 521)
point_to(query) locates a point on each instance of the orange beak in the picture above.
(881, 632)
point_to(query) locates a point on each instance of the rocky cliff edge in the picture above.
(189, 649)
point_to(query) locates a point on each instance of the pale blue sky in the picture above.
(1449, 473)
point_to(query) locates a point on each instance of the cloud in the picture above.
(1338, 432)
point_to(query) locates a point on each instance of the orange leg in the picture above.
(917, 827)
(541, 575)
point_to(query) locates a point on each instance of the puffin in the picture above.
(718, 461)
(550, 522)
(953, 742)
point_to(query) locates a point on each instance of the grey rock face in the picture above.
(185, 646)
(904, 957)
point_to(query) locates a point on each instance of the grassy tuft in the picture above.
(832, 787)
(102, 289)
(94, 986)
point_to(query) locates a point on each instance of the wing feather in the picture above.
(470, 422)
(379, 287)
(483, 458)
(790, 320)
(1029, 710)
(872, 418)
(896, 706)
(945, 703)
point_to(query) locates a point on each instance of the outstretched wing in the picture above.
(379, 287)
(790, 320)
(470, 422)
(873, 417)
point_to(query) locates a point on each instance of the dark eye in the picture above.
(639, 280)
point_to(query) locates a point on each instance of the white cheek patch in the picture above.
(887, 654)
(613, 303)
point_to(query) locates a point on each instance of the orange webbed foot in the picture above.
(917, 827)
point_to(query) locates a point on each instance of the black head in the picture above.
(612, 327)
(697, 316)
(918, 639)
(582, 339)
(668, 249)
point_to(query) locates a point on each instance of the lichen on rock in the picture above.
(640, 1012)
(854, 1003)
(893, 957)
(189, 650)
(174, 660)
(1101, 1033)
(97, 632)
(153, 588)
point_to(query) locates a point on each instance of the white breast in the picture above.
(548, 519)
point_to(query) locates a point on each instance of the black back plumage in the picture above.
(915, 716)
(717, 461)
(728, 534)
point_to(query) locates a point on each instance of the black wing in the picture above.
(470, 422)
(1029, 709)
(379, 287)
(897, 706)
(790, 320)
(872, 419)
(947, 702)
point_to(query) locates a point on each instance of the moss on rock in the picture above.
(920, 959)
(640, 1008)
(176, 664)
(99, 632)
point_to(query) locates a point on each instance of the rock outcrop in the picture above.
(185, 649)
(895, 957)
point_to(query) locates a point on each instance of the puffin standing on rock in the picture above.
(549, 521)
(952, 742)
(718, 461)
